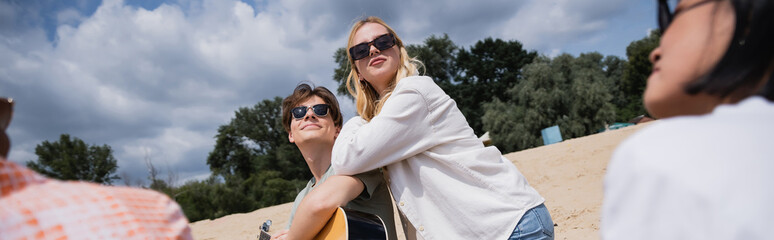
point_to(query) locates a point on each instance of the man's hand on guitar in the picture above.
(280, 235)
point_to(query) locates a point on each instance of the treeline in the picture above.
(513, 93)
(500, 87)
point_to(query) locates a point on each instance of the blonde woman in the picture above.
(445, 182)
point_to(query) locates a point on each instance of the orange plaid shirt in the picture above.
(35, 207)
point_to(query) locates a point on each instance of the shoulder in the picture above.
(668, 136)
(130, 194)
(424, 87)
(754, 109)
(693, 139)
(328, 173)
(749, 118)
(658, 130)
(655, 147)
(355, 121)
(418, 83)
(14, 177)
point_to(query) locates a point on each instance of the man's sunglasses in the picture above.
(665, 16)
(321, 110)
(362, 50)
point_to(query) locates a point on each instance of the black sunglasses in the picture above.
(665, 16)
(362, 50)
(321, 110)
(6, 111)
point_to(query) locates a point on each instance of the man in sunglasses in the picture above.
(35, 207)
(313, 120)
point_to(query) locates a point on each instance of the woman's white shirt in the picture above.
(443, 179)
(700, 177)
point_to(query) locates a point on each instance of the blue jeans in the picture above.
(535, 224)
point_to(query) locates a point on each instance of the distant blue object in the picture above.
(619, 125)
(551, 135)
(615, 126)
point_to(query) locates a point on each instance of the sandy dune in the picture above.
(568, 174)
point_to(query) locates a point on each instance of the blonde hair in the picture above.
(367, 99)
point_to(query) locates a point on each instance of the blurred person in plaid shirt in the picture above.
(35, 207)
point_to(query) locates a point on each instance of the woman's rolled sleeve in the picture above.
(400, 131)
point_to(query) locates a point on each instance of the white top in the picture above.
(700, 177)
(442, 178)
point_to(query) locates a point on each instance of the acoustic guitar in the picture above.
(344, 224)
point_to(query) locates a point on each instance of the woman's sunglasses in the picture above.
(321, 110)
(665, 16)
(362, 50)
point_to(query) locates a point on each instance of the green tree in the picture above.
(255, 141)
(574, 93)
(487, 71)
(211, 198)
(591, 107)
(635, 76)
(536, 102)
(196, 199)
(438, 56)
(342, 71)
(72, 159)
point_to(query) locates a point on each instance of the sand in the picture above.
(568, 175)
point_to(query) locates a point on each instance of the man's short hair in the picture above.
(304, 92)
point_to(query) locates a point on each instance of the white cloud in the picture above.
(164, 79)
(69, 16)
(169, 146)
(553, 24)
(161, 79)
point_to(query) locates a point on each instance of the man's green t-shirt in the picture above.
(374, 199)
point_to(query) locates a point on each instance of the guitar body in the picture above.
(335, 229)
(348, 224)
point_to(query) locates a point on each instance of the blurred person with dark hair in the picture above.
(704, 171)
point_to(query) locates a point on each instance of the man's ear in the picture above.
(290, 137)
(338, 130)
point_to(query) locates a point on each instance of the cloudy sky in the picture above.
(157, 78)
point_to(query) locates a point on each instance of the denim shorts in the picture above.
(535, 224)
